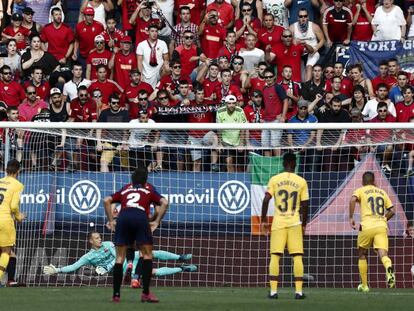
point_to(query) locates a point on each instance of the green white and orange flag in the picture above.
(261, 170)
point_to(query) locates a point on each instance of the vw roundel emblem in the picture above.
(84, 197)
(233, 197)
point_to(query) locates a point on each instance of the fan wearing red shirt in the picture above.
(188, 54)
(383, 77)
(239, 75)
(172, 82)
(16, 31)
(257, 81)
(127, 9)
(112, 35)
(211, 84)
(123, 62)
(82, 108)
(141, 19)
(292, 90)
(230, 48)
(225, 12)
(383, 115)
(405, 109)
(254, 114)
(132, 90)
(347, 86)
(362, 17)
(247, 24)
(107, 87)
(202, 137)
(42, 86)
(226, 88)
(269, 34)
(98, 57)
(197, 9)
(11, 92)
(286, 53)
(16, 136)
(337, 24)
(85, 33)
(58, 37)
(141, 103)
(212, 34)
(383, 136)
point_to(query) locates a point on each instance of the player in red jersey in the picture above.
(123, 62)
(134, 228)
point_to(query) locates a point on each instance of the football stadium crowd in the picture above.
(270, 61)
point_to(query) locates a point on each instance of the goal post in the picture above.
(214, 210)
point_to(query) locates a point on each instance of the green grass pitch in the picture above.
(199, 299)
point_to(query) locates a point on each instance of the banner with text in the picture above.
(370, 54)
(77, 199)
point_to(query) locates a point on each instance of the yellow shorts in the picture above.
(292, 237)
(377, 236)
(7, 234)
(108, 153)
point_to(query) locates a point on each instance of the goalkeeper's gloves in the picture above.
(100, 270)
(50, 270)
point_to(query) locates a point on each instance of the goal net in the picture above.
(215, 177)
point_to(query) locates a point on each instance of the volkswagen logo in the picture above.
(233, 197)
(84, 197)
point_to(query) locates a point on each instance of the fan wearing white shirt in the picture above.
(251, 54)
(142, 144)
(370, 109)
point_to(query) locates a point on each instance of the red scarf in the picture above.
(153, 55)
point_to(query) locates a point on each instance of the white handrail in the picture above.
(204, 126)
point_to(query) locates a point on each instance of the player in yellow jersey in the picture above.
(291, 198)
(10, 190)
(376, 210)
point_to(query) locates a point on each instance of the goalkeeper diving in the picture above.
(102, 256)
